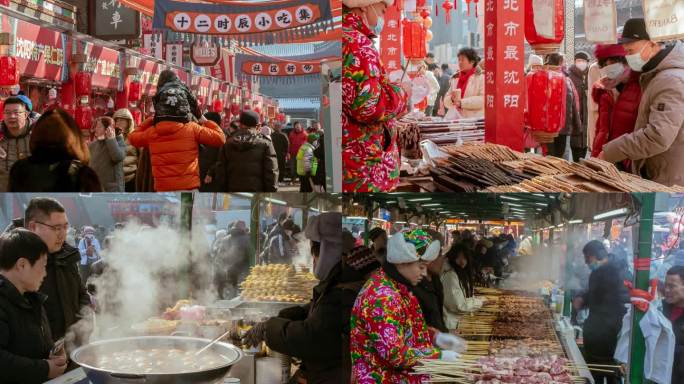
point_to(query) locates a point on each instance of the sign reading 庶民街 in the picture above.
(664, 19)
(600, 21)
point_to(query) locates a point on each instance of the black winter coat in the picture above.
(678, 328)
(25, 339)
(232, 255)
(65, 290)
(66, 293)
(52, 172)
(430, 295)
(281, 144)
(208, 157)
(247, 163)
(319, 153)
(605, 298)
(318, 333)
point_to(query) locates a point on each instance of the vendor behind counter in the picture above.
(315, 332)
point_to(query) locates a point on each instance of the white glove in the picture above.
(449, 355)
(450, 342)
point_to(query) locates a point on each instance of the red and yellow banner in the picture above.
(261, 68)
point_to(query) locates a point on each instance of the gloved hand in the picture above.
(450, 342)
(449, 355)
(255, 336)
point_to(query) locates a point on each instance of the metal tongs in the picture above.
(216, 340)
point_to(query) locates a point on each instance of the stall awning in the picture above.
(143, 6)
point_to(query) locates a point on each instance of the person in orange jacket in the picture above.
(173, 138)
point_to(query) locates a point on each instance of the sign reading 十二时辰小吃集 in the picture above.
(241, 19)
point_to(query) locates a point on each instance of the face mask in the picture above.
(582, 65)
(613, 71)
(635, 61)
(380, 23)
(594, 266)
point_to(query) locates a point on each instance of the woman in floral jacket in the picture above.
(388, 332)
(370, 103)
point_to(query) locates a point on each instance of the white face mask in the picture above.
(582, 65)
(635, 61)
(613, 71)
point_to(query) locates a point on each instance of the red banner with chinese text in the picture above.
(504, 74)
(40, 52)
(390, 40)
(285, 68)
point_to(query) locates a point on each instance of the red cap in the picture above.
(604, 51)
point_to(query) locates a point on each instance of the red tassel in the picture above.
(436, 9)
(468, 4)
(476, 15)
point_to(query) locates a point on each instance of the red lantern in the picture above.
(424, 13)
(414, 39)
(420, 3)
(546, 96)
(83, 83)
(84, 117)
(135, 92)
(234, 109)
(448, 6)
(217, 106)
(137, 115)
(9, 71)
(121, 99)
(544, 45)
(246, 107)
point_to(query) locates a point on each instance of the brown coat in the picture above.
(656, 146)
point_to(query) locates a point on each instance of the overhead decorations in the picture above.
(286, 69)
(251, 23)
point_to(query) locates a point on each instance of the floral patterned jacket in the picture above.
(370, 157)
(388, 333)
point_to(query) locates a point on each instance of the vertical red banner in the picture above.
(504, 72)
(390, 39)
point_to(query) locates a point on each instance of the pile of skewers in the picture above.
(549, 369)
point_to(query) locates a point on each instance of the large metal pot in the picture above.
(83, 355)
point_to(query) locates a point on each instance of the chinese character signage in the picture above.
(109, 20)
(504, 75)
(205, 55)
(40, 52)
(222, 69)
(264, 68)
(600, 21)
(664, 19)
(242, 18)
(174, 54)
(152, 42)
(390, 40)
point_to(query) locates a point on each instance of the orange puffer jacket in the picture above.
(174, 150)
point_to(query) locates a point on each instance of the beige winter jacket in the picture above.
(657, 144)
(456, 304)
(472, 103)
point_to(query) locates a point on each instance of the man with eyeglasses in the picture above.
(66, 292)
(14, 135)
